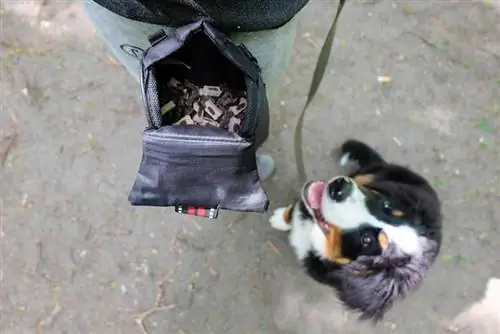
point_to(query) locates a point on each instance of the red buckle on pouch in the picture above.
(211, 213)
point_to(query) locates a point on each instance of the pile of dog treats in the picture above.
(216, 106)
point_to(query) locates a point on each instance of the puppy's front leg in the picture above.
(281, 218)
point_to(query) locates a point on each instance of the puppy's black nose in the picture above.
(340, 189)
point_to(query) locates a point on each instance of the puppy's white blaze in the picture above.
(353, 212)
(348, 214)
(345, 159)
(405, 237)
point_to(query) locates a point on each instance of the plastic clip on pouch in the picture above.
(207, 113)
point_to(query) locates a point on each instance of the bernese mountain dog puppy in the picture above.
(372, 234)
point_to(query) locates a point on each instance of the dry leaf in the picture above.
(384, 79)
(24, 200)
(6, 143)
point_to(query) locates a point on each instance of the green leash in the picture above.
(319, 72)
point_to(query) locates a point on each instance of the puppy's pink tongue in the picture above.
(315, 193)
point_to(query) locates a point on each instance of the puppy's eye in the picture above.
(387, 207)
(389, 210)
(366, 240)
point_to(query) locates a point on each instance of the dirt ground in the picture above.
(77, 258)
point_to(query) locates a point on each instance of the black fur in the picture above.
(395, 275)
(363, 154)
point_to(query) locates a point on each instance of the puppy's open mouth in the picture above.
(313, 194)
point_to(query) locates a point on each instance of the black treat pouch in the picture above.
(207, 113)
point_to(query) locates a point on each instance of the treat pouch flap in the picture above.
(198, 166)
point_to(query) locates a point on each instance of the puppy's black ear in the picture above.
(357, 151)
(372, 284)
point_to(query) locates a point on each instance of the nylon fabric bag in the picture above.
(199, 150)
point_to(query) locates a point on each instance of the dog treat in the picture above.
(186, 120)
(209, 122)
(212, 110)
(217, 106)
(226, 99)
(167, 107)
(234, 124)
(197, 119)
(240, 107)
(211, 91)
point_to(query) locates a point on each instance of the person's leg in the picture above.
(273, 49)
(127, 39)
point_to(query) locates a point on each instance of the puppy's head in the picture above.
(382, 232)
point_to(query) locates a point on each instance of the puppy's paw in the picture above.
(280, 220)
(357, 151)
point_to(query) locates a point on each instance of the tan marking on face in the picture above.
(363, 179)
(383, 240)
(287, 217)
(397, 213)
(333, 244)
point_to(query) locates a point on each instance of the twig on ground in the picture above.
(140, 320)
(273, 247)
(49, 320)
(86, 86)
(198, 227)
(35, 269)
(236, 221)
(160, 286)
(174, 245)
(422, 39)
(6, 144)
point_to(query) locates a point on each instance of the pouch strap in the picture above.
(157, 36)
